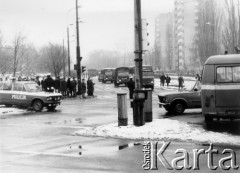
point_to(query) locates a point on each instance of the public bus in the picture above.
(147, 75)
(220, 95)
(107, 75)
(121, 76)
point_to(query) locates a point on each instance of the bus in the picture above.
(220, 95)
(148, 76)
(121, 76)
(107, 75)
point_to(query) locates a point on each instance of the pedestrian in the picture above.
(69, 87)
(57, 84)
(63, 86)
(168, 79)
(131, 86)
(162, 79)
(73, 86)
(83, 88)
(49, 83)
(180, 82)
(90, 87)
(43, 84)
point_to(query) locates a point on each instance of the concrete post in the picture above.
(148, 106)
(122, 109)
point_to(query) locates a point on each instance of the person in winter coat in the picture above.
(49, 83)
(180, 82)
(57, 84)
(131, 86)
(162, 79)
(90, 87)
(63, 86)
(73, 86)
(168, 79)
(69, 87)
(84, 88)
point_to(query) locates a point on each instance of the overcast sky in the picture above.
(108, 24)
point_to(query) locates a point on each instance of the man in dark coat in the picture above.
(168, 79)
(84, 88)
(49, 83)
(180, 82)
(57, 84)
(69, 87)
(90, 87)
(162, 79)
(131, 86)
(63, 87)
(73, 86)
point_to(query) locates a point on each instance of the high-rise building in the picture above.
(175, 36)
(185, 23)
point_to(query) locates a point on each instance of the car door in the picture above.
(196, 95)
(5, 93)
(19, 96)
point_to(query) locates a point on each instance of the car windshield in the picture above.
(32, 87)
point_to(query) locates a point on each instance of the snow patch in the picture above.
(158, 130)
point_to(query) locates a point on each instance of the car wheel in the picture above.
(8, 105)
(178, 107)
(51, 108)
(38, 105)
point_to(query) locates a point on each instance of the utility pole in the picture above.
(138, 44)
(79, 58)
(139, 95)
(69, 70)
(64, 72)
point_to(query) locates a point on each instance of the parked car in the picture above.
(178, 101)
(27, 94)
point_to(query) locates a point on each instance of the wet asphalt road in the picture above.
(43, 142)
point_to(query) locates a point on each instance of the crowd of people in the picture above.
(67, 87)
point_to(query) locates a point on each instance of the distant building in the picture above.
(175, 34)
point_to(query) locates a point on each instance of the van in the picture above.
(220, 95)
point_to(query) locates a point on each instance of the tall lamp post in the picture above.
(79, 58)
(69, 69)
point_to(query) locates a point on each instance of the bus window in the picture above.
(236, 74)
(224, 74)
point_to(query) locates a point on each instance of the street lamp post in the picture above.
(69, 69)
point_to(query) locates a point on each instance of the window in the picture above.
(7, 86)
(18, 87)
(228, 74)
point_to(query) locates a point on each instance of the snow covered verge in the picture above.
(161, 129)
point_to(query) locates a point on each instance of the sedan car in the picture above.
(178, 101)
(27, 94)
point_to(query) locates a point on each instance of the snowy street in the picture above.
(82, 134)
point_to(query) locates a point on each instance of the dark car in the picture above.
(178, 101)
(27, 94)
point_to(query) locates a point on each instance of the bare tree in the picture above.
(53, 58)
(231, 33)
(208, 36)
(18, 50)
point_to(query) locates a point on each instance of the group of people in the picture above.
(66, 87)
(165, 78)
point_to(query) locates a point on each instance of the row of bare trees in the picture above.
(22, 58)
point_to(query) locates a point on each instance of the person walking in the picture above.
(168, 79)
(57, 84)
(90, 87)
(69, 87)
(131, 86)
(180, 82)
(73, 86)
(84, 88)
(162, 79)
(63, 86)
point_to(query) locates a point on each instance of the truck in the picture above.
(121, 76)
(147, 75)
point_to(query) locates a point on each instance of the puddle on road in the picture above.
(67, 122)
(88, 150)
